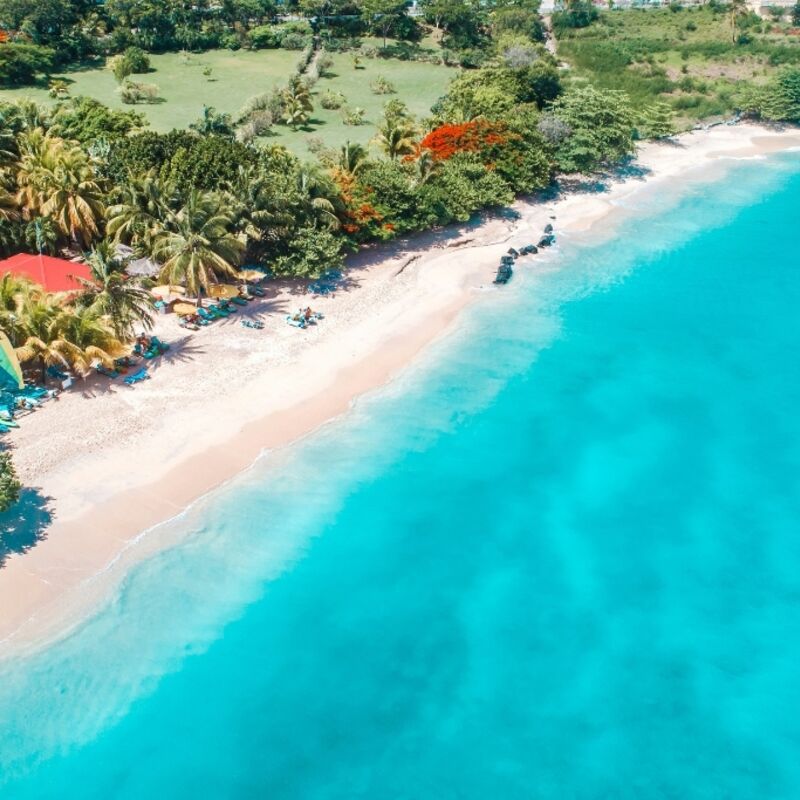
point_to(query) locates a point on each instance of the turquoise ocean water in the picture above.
(559, 560)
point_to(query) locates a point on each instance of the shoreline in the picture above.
(207, 416)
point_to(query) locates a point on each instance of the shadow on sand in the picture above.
(24, 525)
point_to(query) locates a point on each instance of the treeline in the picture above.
(501, 130)
(46, 35)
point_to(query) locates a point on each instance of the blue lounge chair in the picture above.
(219, 312)
(54, 372)
(206, 315)
(296, 320)
(108, 373)
(137, 376)
(255, 324)
(156, 343)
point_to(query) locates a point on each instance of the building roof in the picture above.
(53, 274)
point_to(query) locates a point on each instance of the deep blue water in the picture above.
(561, 560)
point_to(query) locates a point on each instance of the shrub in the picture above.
(9, 485)
(133, 93)
(21, 63)
(353, 116)
(324, 64)
(369, 51)
(294, 41)
(309, 253)
(332, 100)
(264, 36)
(577, 14)
(382, 86)
(137, 60)
(780, 99)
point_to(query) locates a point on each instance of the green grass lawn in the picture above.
(418, 85)
(685, 58)
(237, 76)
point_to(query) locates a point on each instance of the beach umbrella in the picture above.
(10, 370)
(168, 291)
(168, 294)
(251, 275)
(184, 309)
(223, 290)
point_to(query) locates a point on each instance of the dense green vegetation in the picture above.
(9, 485)
(695, 59)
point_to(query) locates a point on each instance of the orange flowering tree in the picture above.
(477, 136)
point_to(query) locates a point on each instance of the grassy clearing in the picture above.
(418, 85)
(685, 58)
(237, 76)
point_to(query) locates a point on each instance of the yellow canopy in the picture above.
(251, 275)
(184, 309)
(165, 292)
(223, 290)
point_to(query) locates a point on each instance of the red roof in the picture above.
(53, 274)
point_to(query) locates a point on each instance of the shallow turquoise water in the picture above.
(561, 560)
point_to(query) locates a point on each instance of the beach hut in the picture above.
(10, 370)
(136, 267)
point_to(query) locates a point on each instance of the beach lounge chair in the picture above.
(240, 300)
(124, 362)
(58, 374)
(206, 315)
(226, 305)
(189, 324)
(219, 311)
(136, 377)
(108, 373)
(257, 291)
(157, 344)
(252, 323)
(297, 320)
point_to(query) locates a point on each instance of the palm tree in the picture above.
(55, 179)
(114, 296)
(425, 166)
(88, 338)
(35, 336)
(14, 294)
(297, 103)
(145, 200)
(352, 159)
(196, 245)
(62, 336)
(396, 136)
(319, 197)
(8, 206)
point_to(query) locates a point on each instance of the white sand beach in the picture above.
(111, 461)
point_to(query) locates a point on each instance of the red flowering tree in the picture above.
(478, 136)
